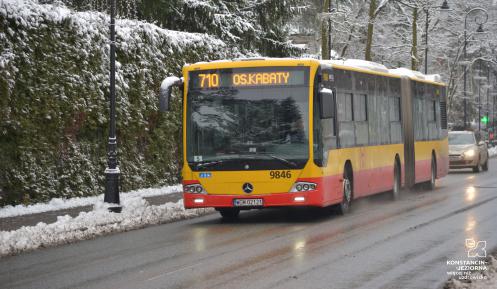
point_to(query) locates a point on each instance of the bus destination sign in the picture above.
(214, 79)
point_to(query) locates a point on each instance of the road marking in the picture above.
(174, 271)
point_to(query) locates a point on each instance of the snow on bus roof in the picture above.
(358, 63)
(252, 58)
(416, 74)
(352, 63)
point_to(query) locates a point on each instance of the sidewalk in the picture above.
(14, 223)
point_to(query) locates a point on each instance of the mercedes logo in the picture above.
(247, 188)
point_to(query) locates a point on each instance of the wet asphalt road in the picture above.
(381, 244)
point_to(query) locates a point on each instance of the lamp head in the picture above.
(445, 6)
(480, 29)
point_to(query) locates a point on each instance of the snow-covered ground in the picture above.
(59, 203)
(489, 283)
(136, 213)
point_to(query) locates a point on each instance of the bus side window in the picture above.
(324, 118)
(327, 100)
(328, 118)
(345, 118)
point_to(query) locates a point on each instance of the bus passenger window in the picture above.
(345, 107)
(394, 109)
(360, 107)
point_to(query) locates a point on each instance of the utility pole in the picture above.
(112, 171)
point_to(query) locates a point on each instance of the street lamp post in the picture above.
(488, 95)
(112, 172)
(445, 7)
(479, 97)
(494, 122)
(480, 30)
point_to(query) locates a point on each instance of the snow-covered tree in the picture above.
(394, 33)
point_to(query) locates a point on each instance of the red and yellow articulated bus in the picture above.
(263, 133)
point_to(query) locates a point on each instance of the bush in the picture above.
(54, 101)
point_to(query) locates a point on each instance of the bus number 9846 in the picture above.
(280, 174)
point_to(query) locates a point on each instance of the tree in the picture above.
(369, 40)
(325, 30)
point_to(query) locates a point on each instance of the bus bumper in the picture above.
(309, 198)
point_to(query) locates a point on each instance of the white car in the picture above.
(466, 150)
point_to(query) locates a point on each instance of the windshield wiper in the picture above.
(210, 164)
(288, 163)
(282, 160)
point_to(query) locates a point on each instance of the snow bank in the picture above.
(59, 203)
(136, 214)
(492, 151)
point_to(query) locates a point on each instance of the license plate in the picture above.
(454, 158)
(248, 202)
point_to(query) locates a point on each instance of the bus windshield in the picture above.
(248, 119)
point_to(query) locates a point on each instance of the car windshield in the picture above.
(248, 128)
(461, 138)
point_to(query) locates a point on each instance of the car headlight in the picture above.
(469, 154)
(194, 189)
(303, 187)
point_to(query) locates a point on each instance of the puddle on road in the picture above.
(470, 194)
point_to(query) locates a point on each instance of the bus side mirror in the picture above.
(165, 91)
(327, 101)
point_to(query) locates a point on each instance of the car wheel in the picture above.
(229, 214)
(477, 168)
(485, 165)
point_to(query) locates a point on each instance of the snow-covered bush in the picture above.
(53, 100)
(250, 25)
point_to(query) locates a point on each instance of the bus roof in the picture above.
(348, 64)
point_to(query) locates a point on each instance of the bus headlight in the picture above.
(469, 154)
(303, 187)
(194, 189)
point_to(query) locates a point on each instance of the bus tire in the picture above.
(431, 184)
(229, 214)
(345, 204)
(396, 181)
